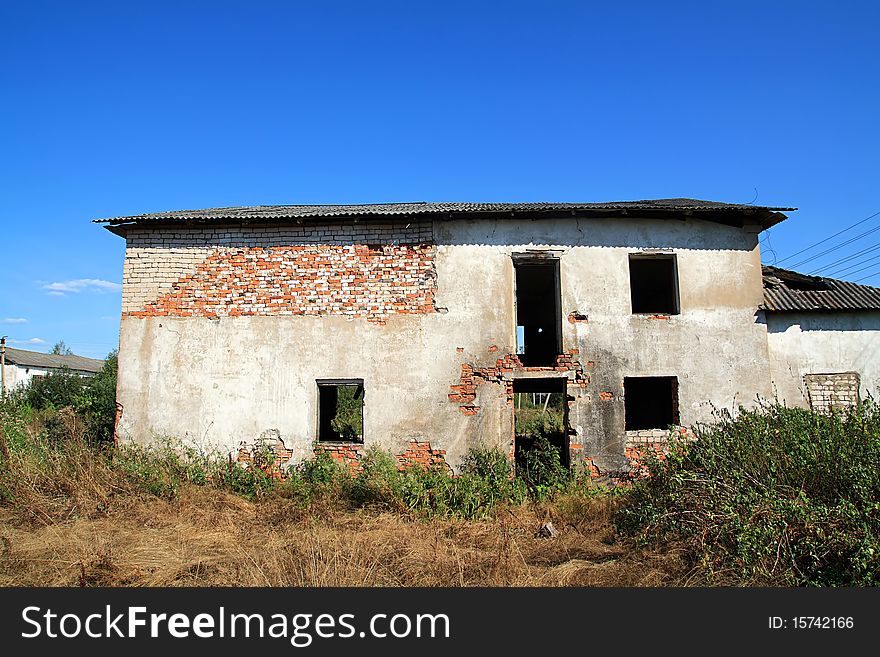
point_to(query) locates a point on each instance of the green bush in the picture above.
(777, 494)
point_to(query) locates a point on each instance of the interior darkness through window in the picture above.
(341, 411)
(650, 402)
(537, 311)
(653, 284)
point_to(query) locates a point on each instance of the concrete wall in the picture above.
(822, 343)
(222, 380)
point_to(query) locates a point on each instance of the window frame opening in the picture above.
(643, 408)
(537, 308)
(644, 283)
(330, 427)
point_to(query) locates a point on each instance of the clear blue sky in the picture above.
(121, 108)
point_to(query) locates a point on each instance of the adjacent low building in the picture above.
(824, 338)
(415, 326)
(22, 366)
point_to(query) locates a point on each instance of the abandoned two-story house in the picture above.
(425, 324)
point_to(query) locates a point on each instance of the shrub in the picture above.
(776, 494)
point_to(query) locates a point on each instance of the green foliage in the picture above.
(53, 391)
(778, 494)
(540, 468)
(349, 419)
(93, 400)
(61, 349)
(424, 492)
(97, 400)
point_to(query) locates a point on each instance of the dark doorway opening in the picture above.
(650, 402)
(540, 413)
(538, 324)
(341, 410)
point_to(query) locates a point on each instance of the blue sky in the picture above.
(121, 108)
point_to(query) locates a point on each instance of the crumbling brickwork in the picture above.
(421, 454)
(158, 260)
(346, 454)
(832, 391)
(268, 452)
(465, 391)
(655, 442)
(417, 454)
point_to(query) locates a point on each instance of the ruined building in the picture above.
(427, 323)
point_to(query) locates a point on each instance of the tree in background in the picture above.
(61, 349)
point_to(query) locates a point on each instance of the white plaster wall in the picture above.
(21, 376)
(218, 382)
(821, 343)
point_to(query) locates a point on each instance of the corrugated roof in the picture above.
(52, 361)
(789, 291)
(711, 210)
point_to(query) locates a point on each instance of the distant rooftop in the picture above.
(26, 358)
(669, 208)
(789, 291)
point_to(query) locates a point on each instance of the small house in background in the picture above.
(22, 366)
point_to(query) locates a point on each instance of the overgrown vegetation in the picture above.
(774, 496)
(349, 419)
(92, 399)
(778, 495)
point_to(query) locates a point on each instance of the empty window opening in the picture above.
(650, 402)
(653, 282)
(341, 410)
(540, 412)
(538, 326)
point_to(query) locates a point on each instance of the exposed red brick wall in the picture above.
(637, 455)
(355, 280)
(465, 391)
(346, 454)
(423, 455)
(256, 457)
(418, 453)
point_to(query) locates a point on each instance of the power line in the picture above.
(864, 278)
(862, 269)
(867, 249)
(838, 272)
(830, 238)
(839, 246)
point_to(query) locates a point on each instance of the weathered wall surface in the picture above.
(822, 343)
(714, 346)
(448, 334)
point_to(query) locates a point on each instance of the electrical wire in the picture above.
(830, 238)
(864, 278)
(839, 246)
(839, 272)
(867, 249)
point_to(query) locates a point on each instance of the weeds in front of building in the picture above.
(774, 496)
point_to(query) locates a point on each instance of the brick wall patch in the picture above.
(832, 391)
(355, 280)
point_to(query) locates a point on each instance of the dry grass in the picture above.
(205, 537)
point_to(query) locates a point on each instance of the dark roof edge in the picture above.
(730, 214)
(787, 291)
